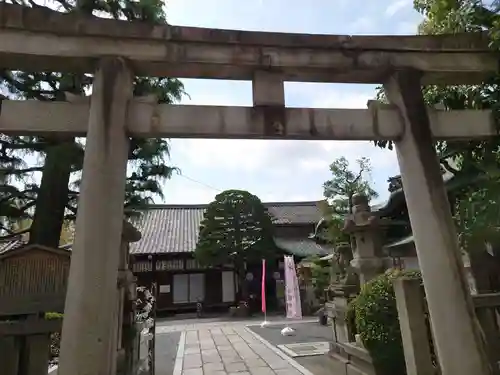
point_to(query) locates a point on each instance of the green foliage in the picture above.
(350, 319)
(345, 183)
(375, 315)
(14, 201)
(236, 227)
(53, 315)
(477, 207)
(320, 273)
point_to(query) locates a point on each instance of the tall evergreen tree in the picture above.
(236, 228)
(63, 156)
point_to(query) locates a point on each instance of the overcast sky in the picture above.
(279, 170)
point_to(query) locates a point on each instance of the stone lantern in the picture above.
(365, 230)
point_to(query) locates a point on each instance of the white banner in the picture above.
(292, 292)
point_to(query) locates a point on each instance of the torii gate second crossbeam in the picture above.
(40, 39)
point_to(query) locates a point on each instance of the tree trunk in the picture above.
(53, 195)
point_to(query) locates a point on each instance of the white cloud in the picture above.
(397, 6)
(177, 191)
(217, 92)
(363, 25)
(314, 163)
(407, 27)
(340, 99)
(276, 170)
(232, 154)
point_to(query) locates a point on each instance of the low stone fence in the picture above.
(412, 311)
(351, 357)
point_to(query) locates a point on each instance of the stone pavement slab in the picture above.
(223, 326)
(230, 350)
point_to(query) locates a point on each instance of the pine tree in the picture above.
(13, 201)
(236, 228)
(339, 192)
(63, 156)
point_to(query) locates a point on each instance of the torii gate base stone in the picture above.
(44, 40)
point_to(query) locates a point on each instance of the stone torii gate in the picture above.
(43, 40)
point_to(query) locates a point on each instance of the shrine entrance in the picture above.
(41, 40)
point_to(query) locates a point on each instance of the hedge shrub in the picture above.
(374, 316)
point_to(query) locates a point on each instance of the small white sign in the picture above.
(165, 288)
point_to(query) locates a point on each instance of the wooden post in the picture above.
(88, 344)
(409, 300)
(460, 347)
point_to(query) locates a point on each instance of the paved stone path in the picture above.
(231, 350)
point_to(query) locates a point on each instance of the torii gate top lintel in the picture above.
(53, 41)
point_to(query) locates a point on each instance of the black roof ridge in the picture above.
(293, 203)
(181, 205)
(205, 205)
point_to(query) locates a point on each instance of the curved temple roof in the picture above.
(174, 228)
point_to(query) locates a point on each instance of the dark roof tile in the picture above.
(11, 244)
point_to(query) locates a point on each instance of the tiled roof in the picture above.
(168, 229)
(7, 245)
(17, 242)
(174, 228)
(301, 247)
(294, 212)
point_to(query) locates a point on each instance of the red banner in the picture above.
(263, 296)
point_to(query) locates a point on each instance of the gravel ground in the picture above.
(304, 332)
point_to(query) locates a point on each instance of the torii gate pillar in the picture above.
(460, 348)
(88, 344)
